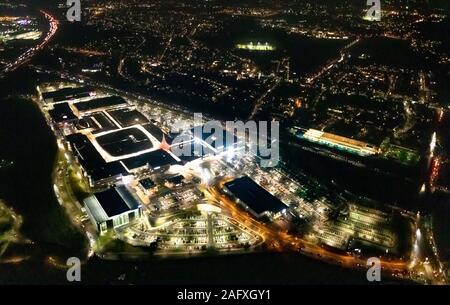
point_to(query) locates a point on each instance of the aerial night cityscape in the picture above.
(212, 142)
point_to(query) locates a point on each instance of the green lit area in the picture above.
(400, 154)
(386, 149)
(111, 246)
(18, 28)
(6, 224)
(256, 47)
(9, 226)
(370, 226)
(33, 35)
(371, 18)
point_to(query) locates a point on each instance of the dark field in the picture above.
(27, 186)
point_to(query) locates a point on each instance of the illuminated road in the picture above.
(281, 240)
(259, 101)
(410, 121)
(167, 46)
(434, 171)
(331, 64)
(30, 53)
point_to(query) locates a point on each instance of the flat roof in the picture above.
(157, 132)
(128, 117)
(91, 160)
(96, 122)
(101, 122)
(255, 196)
(154, 159)
(193, 149)
(199, 130)
(124, 142)
(147, 183)
(62, 113)
(175, 179)
(112, 202)
(99, 103)
(68, 93)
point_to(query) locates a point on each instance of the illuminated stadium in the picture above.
(256, 47)
(339, 142)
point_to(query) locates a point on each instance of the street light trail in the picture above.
(30, 53)
(282, 240)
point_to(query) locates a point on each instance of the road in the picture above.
(281, 240)
(30, 53)
(332, 63)
(259, 101)
(167, 46)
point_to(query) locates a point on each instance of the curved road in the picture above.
(284, 240)
(30, 53)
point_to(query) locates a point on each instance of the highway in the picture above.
(30, 53)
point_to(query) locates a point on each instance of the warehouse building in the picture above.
(62, 113)
(98, 172)
(99, 104)
(112, 209)
(67, 94)
(255, 198)
(157, 160)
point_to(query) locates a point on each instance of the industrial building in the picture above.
(108, 137)
(67, 94)
(99, 104)
(174, 181)
(159, 134)
(98, 172)
(112, 208)
(255, 198)
(112, 143)
(156, 160)
(197, 143)
(62, 113)
(148, 186)
(127, 117)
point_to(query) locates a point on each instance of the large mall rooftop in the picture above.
(254, 197)
(108, 136)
